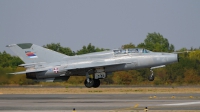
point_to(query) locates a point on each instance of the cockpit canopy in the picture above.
(126, 51)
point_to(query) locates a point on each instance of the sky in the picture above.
(103, 23)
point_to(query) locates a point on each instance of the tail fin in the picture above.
(31, 53)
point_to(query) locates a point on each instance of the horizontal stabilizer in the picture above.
(30, 71)
(17, 73)
(30, 64)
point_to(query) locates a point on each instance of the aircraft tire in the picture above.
(151, 78)
(96, 83)
(90, 84)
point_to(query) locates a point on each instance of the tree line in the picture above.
(186, 72)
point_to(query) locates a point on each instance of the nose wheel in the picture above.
(151, 77)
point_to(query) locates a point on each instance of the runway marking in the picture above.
(136, 105)
(129, 108)
(186, 103)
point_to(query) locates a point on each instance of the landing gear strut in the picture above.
(89, 82)
(151, 77)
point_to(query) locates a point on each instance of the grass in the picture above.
(111, 90)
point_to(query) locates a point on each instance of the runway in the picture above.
(98, 102)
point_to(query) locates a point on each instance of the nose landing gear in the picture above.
(151, 77)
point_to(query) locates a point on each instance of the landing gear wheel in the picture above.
(96, 83)
(90, 83)
(151, 78)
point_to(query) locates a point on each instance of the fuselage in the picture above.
(112, 61)
(46, 65)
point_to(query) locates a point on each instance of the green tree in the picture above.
(195, 55)
(58, 48)
(6, 60)
(128, 46)
(182, 49)
(141, 45)
(89, 49)
(156, 42)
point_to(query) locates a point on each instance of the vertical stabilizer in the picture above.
(31, 53)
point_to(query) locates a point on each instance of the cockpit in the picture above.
(127, 51)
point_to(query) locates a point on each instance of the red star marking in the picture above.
(55, 70)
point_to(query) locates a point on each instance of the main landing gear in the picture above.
(98, 74)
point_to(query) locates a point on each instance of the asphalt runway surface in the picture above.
(98, 102)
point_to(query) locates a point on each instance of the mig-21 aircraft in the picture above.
(46, 65)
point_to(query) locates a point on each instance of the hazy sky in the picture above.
(104, 23)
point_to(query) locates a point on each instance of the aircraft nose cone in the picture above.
(176, 58)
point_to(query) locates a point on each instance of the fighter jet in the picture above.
(46, 65)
